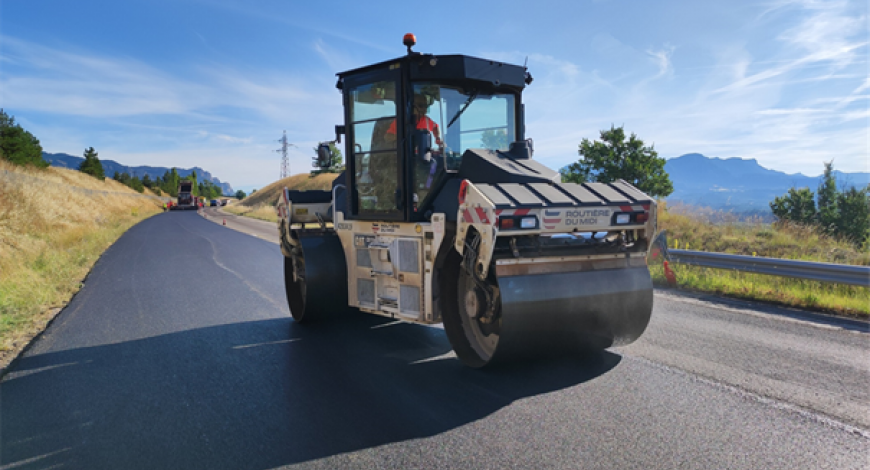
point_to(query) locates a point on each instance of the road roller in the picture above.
(443, 216)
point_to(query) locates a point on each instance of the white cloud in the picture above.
(792, 106)
(662, 59)
(223, 119)
(73, 83)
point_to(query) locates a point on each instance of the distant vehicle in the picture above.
(214, 202)
(186, 200)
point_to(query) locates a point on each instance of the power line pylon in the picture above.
(285, 163)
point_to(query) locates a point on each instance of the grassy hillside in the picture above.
(797, 242)
(54, 225)
(261, 205)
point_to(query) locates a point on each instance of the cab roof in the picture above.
(451, 68)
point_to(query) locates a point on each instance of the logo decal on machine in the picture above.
(551, 219)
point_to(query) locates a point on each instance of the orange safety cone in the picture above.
(670, 276)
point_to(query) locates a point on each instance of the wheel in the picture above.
(473, 317)
(480, 313)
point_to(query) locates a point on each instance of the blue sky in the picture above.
(214, 83)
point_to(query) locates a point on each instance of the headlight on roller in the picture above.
(528, 222)
(622, 219)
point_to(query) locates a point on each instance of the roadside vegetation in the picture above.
(54, 225)
(838, 210)
(261, 204)
(785, 240)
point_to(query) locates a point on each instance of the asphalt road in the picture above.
(179, 353)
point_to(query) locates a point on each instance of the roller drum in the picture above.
(587, 309)
(537, 314)
(322, 288)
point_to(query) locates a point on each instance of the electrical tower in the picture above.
(285, 163)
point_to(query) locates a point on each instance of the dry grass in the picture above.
(261, 205)
(54, 224)
(301, 182)
(754, 238)
(262, 212)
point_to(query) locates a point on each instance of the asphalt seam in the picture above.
(785, 314)
(237, 275)
(806, 413)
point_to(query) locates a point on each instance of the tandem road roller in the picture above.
(442, 215)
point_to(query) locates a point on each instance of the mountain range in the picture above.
(730, 185)
(741, 186)
(110, 167)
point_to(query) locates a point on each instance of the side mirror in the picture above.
(422, 144)
(324, 155)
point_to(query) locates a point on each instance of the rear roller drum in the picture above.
(314, 276)
(294, 285)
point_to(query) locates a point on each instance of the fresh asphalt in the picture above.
(179, 352)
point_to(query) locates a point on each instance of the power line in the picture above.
(285, 163)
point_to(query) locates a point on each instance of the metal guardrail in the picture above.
(826, 272)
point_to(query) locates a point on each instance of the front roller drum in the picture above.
(541, 313)
(315, 276)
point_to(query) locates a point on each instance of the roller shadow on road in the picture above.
(257, 395)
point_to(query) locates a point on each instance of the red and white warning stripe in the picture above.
(507, 212)
(477, 215)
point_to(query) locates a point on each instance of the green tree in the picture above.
(495, 139)
(124, 178)
(92, 165)
(194, 189)
(136, 184)
(147, 181)
(336, 162)
(170, 182)
(172, 185)
(827, 200)
(17, 145)
(796, 206)
(240, 195)
(209, 190)
(614, 158)
(853, 215)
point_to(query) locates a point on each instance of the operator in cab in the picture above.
(421, 104)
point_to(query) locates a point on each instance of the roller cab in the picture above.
(443, 215)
